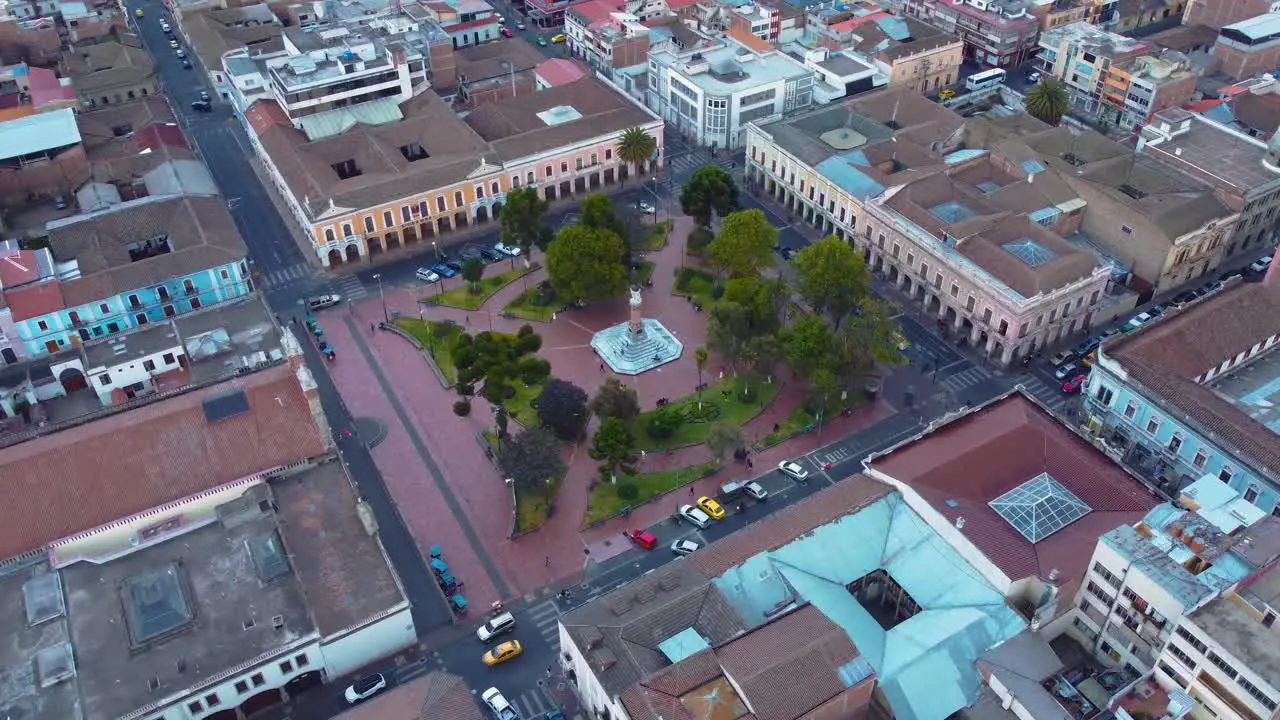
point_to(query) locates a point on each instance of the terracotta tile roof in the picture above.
(98, 126)
(1166, 356)
(791, 665)
(18, 268)
(158, 135)
(1259, 112)
(345, 581)
(265, 114)
(107, 65)
(960, 467)
(59, 485)
(558, 71)
(687, 674)
(844, 498)
(434, 696)
(34, 300)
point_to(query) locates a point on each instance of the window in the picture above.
(1251, 494)
(547, 171)
(211, 700)
(104, 379)
(955, 290)
(457, 198)
(1225, 473)
(1130, 410)
(406, 215)
(1269, 619)
(564, 168)
(195, 707)
(608, 153)
(42, 325)
(1175, 677)
(1191, 639)
(286, 667)
(1257, 693)
(242, 687)
(1182, 657)
(1199, 460)
(387, 219)
(1175, 443)
(1153, 425)
(346, 230)
(969, 303)
(168, 358)
(301, 660)
(440, 204)
(528, 178)
(479, 192)
(1223, 665)
(423, 209)
(104, 308)
(1106, 574)
(329, 236)
(257, 680)
(493, 188)
(149, 365)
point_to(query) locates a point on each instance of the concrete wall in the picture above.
(379, 639)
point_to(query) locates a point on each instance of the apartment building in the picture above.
(466, 22)
(995, 33)
(1231, 161)
(1134, 90)
(1218, 14)
(215, 34)
(110, 73)
(607, 39)
(911, 53)
(1249, 48)
(1129, 17)
(1082, 55)
(1185, 397)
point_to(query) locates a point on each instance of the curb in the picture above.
(431, 362)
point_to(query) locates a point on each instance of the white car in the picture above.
(1066, 371)
(365, 687)
(498, 705)
(792, 469)
(1033, 77)
(684, 547)
(646, 208)
(507, 249)
(1261, 264)
(321, 302)
(1136, 322)
(426, 275)
(520, 26)
(696, 516)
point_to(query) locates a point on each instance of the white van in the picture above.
(497, 625)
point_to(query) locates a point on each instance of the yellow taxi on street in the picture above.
(503, 653)
(711, 507)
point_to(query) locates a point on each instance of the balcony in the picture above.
(1098, 617)
(1224, 696)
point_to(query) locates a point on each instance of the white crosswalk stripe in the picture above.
(1044, 391)
(688, 162)
(967, 378)
(351, 289)
(284, 276)
(546, 618)
(532, 702)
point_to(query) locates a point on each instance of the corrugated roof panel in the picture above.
(37, 133)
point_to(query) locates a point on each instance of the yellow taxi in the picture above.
(174, 44)
(137, 13)
(503, 653)
(946, 94)
(558, 38)
(711, 507)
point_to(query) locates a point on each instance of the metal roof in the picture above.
(926, 663)
(37, 133)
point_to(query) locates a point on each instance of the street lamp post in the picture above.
(386, 316)
(436, 247)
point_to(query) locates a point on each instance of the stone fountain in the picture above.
(637, 345)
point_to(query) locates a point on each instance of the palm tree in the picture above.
(1048, 101)
(636, 147)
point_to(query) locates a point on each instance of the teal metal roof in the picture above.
(925, 664)
(683, 644)
(960, 156)
(843, 171)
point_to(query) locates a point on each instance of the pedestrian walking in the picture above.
(548, 562)
(601, 367)
(749, 465)
(690, 489)
(466, 319)
(372, 328)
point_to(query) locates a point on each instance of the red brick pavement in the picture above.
(478, 487)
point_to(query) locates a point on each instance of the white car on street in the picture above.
(684, 547)
(507, 249)
(792, 469)
(694, 515)
(426, 275)
(498, 705)
(365, 688)
(646, 208)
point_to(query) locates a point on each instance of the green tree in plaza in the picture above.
(598, 211)
(1048, 100)
(761, 300)
(833, 278)
(709, 189)
(810, 345)
(562, 408)
(521, 220)
(870, 337)
(723, 439)
(728, 330)
(636, 147)
(472, 271)
(744, 246)
(615, 400)
(613, 445)
(532, 458)
(586, 263)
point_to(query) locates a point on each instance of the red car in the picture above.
(1074, 385)
(643, 539)
(505, 32)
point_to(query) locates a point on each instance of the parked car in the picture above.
(643, 539)
(321, 302)
(505, 32)
(752, 488)
(542, 42)
(503, 653)
(186, 64)
(60, 202)
(946, 94)
(711, 507)
(684, 547)
(443, 270)
(1183, 298)
(365, 687)
(137, 13)
(1088, 346)
(495, 626)
(558, 38)
(498, 705)
(454, 266)
(174, 44)
(1137, 321)
(695, 516)
(1062, 357)
(1033, 76)
(426, 275)
(520, 26)
(1090, 359)
(646, 209)
(1066, 371)
(1261, 264)
(492, 256)
(509, 250)
(792, 469)
(201, 106)
(204, 94)
(1074, 384)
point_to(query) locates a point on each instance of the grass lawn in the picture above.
(643, 272)
(532, 509)
(695, 283)
(797, 421)
(651, 238)
(437, 338)
(461, 297)
(533, 305)
(604, 502)
(723, 402)
(518, 407)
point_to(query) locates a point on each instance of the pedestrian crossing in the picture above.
(686, 163)
(546, 618)
(966, 378)
(1048, 393)
(533, 703)
(283, 276)
(351, 289)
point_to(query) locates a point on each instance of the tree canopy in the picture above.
(709, 189)
(613, 444)
(833, 277)
(636, 146)
(810, 345)
(521, 220)
(744, 246)
(615, 400)
(562, 408)
(598, 211)
(1048, 101)
(585, 263)
(532, 458)
(472, 271)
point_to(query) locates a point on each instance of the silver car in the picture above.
(792, 469)
(684, 547)
(695, 516)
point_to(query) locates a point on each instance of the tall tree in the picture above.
(615, 400)
(613, 444)
(636, 147)
(521, 220)
(1048, 100)
(586, 264)
(532, 458)
(700, 359)
(762, 300)
(598, 211)
(870, 337)
(728, 330)
(562, 408)
(722, 439)
(709, 189)
(472, 271)
(744, 246)
(762, 353)
(810, 345)
(833, 277)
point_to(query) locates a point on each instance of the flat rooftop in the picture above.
(217, 340)
(183, 611)
(1236, 630)
(1215, 154)
(727, 75)
(341, 566)
(34, 621)
(38, 133)
(1255, 389)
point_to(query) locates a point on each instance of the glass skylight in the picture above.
(1039, 507)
